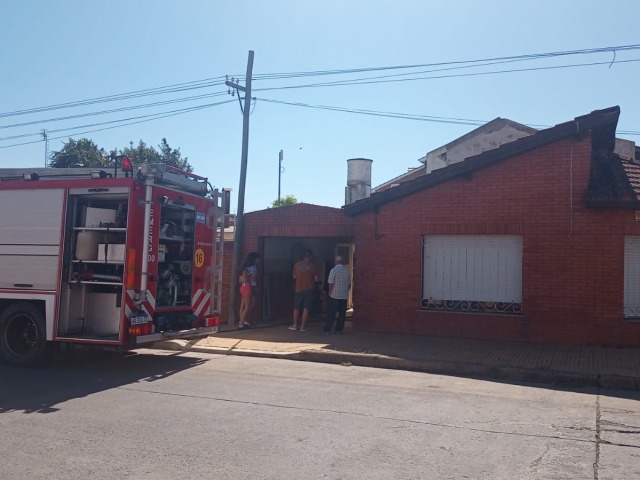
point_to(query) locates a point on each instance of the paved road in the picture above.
(162, 415)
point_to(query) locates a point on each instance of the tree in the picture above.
(85, 153)
(170, 156)
(286, 200)
(79, 153)
(141, 153)
(173, 157)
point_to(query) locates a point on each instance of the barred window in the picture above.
(472, 273)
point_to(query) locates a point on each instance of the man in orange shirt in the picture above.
(305, 275)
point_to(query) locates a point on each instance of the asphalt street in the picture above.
(166, 415)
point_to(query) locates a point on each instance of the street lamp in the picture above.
(280, 171)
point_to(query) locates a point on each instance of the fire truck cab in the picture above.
(113, 257)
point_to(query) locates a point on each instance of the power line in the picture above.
(115, 110)
(408, 116)
(179, 87)
(390, 78)
(155, 116)
(375, 113)
(588, 51)
(436, 77)
(337, 83)
(217, 81)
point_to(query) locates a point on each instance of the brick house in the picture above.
(537, 241)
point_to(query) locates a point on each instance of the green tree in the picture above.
(85, 153)
(79, 153)
(173, 157)
(144, 153)
(141, 153)
(286, 200)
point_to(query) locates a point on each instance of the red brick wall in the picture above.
(573, 257)
(300, 220)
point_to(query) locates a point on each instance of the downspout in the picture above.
(570, 234)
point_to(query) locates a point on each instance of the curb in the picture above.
(458, 369)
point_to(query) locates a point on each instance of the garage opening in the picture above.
(278, 258)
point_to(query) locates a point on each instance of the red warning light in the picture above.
(127, 166)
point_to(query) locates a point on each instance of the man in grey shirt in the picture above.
(339, 283)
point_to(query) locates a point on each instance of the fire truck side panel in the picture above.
(175, 259)
(92, 271)
(136, 239)
(202, 258)
(30, 226)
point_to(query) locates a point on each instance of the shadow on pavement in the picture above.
(77, 374)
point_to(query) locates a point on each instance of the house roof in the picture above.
(632, 170)
(614, 181)
(495, 124)
(489, 127)
(602, 124)
(285, 210)
(395, 181)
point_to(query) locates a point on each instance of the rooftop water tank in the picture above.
(358, 179)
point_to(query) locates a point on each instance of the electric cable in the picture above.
(155, 117)
(271, 76)
(115, 110)
(435, 77)
(216, 81)
(396, 77)
(179, 87)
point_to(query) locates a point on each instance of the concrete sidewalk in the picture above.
(554, 364)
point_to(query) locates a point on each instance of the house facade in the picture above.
(536, 241)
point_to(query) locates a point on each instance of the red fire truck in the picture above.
(116, 257)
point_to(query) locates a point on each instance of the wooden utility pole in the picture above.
(237, 243)
(280, 158)
(46, 148)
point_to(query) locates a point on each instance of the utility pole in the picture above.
(237, 244)
(280, 170)
(46, 147)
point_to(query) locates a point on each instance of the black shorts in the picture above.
(304, 299)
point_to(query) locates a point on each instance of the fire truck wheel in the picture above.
(23, 341)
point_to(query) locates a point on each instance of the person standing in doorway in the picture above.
(305, 276)
(245, 299)
(339, 283)
(248, 287)
(252, 270)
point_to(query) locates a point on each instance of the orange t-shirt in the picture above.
(305, 274)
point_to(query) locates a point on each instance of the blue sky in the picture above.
(60, 51)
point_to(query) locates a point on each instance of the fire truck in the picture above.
(114, 257)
